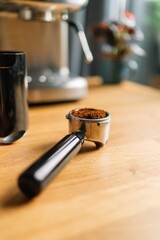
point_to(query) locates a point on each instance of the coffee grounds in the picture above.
(89, 113)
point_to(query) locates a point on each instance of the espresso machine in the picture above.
(40, 28)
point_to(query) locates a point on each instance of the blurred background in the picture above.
(141, 69)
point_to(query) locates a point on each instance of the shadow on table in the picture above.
(13, 199)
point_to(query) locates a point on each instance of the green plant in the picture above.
(153, 16)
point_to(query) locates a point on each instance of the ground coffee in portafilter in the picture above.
(89, 113)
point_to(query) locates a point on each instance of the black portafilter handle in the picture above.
(33, 180)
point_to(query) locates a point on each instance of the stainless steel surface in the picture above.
(63, 88)
(96, 130)
(45, 42)
(42, 9)
(56, 4)
(40, 14)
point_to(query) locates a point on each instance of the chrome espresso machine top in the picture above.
(40, 29)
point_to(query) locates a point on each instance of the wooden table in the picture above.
(110, 193)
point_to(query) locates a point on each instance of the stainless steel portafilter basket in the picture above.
(95, 130)
(33, 180)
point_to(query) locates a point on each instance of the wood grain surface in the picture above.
(110, 193)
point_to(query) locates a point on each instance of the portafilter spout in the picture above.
(93, 128)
